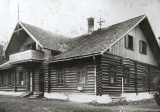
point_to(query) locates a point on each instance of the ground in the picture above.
(19, 104)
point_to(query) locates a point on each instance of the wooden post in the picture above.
(136, 78)
(15, 78)
(122, 86)
(94, 61)
(49, 80)
(149, 79)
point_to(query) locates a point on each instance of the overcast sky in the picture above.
(69, 17)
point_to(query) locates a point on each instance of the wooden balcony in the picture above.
(26, 56)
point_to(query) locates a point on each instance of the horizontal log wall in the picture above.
(136, 84)
(70, 70)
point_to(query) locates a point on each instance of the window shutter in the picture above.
(126, 41)
(140, 46)
(146, 48)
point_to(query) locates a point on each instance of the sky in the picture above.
(69, 17)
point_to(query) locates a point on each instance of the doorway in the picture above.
(30, 81)
(41, 81)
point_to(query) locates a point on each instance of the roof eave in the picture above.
(76, 57)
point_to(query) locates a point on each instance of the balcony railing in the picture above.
(26, 55)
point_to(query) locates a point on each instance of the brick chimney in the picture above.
(90, 25)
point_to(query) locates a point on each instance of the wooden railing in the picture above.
(26, 55)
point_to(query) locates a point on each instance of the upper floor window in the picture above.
(129, 42)
(60, 76)
(126, 75)
(143, 47)
(81, 74)
(113, 73)
(31, 46)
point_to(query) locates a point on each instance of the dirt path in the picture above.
(18, 104)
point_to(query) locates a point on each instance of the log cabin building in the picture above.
(120, 60)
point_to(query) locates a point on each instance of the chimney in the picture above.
(90, 25)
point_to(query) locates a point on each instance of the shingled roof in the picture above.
(45, 39)
(6, 65)
(48, 39)
(100, 40)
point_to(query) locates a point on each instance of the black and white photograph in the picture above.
(80, 56)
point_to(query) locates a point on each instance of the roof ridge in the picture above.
(122, 22)
(44, 30)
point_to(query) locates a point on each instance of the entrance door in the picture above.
(30, 81)
(41, 81)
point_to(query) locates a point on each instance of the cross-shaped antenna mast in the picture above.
(100, 22)
(18, 11)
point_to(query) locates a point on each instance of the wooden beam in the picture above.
(15, 79)
(30, 34)
(94, 61)
(49, 79)
(149, 79)
(136, 78)
(18, 30)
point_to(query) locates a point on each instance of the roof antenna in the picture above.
(100, 23)
(18, 18)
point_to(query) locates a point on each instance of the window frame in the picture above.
(145, 78)
(128, 43)
(60, 70)
(128, 75)
(24, 78)
(85, 74)
(143, 47)
(10, 82)
(110, 70)
(4, 80)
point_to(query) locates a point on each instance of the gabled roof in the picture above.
(48, 39)
(101, 40)
(44, 38)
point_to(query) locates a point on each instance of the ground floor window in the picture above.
(60, 76)
(81, 74)
(21, 79)
(126, 75)
(6, 79)
(3, 79)
(145, 78)
(113, 73)
(9, 79)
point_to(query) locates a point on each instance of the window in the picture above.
(3, 79)
(60, 76)
(126, 75)
(81, 74)
(145, 78)
(31, 46)
(9, 79)
(142, 47)
(21, 79)
(129, 42)
(113, 74)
